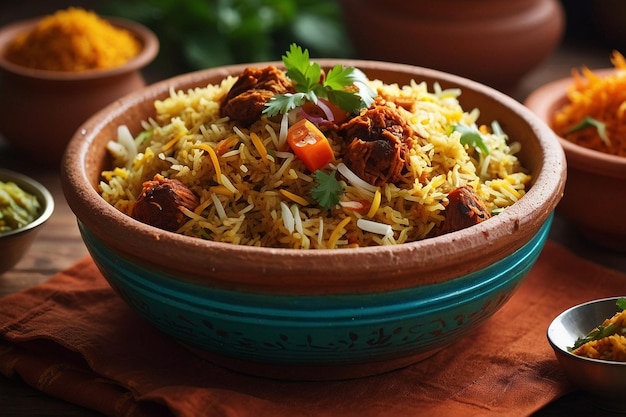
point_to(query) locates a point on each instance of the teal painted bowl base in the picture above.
(316, 337)
(313, 372)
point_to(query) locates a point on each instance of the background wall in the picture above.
(197, 34)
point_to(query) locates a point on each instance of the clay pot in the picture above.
(40, 110)
(288, 313)
(494, 42)
(594, 200)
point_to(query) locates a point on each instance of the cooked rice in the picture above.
(610, 348)
(253, 194)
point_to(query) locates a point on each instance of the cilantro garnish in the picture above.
(601, 332)
(327, 190)
(345, 87)
(591, 122)
(471, 136)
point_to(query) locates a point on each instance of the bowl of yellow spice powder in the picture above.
(58, 70)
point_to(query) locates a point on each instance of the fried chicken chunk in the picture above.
(464, 209)
(160, 201)
(377, 143)
(246, 99)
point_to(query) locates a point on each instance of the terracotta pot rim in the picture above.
(149, 51)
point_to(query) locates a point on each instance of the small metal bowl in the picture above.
(604, 380)
(14, 244)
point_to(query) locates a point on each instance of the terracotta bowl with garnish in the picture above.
(593, 198)
(315, 313)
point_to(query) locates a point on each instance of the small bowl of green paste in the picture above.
(25, 205)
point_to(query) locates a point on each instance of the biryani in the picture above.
(607, 341)
(309, 159)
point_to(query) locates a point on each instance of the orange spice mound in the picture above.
(604, 99)
(73, 40)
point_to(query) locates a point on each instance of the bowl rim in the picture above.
(149, 40)
(563, 349)
(511, 228)
(550, 96)
(45, 198)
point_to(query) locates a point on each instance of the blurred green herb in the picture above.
(591, 122)
(198, 34)
(601, 331)
(471, 136)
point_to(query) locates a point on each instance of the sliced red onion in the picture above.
(327, 111)
(315, 120)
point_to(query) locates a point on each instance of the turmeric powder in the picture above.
(73, 40)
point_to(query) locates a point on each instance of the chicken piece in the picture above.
(464, 209)
(160, 201)
(377, 143)
(246, 99)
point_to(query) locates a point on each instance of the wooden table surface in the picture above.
(59, 246)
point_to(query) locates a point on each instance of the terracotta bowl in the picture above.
(317, 314)
(604, 380)
(593, 199)
(490, 41)
(40, 110)
(14, 244)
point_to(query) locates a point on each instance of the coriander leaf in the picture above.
(339, 77)
(471, 136)
(598, 333)
(346, 100)
(367, 94)
(296, 59)
(302, 72)
(283, 103)
(327, 190)
(591, 122)
(344, 87)
(601, 332)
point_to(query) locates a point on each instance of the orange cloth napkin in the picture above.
(73, 338)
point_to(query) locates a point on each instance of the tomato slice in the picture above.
(310, 145)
